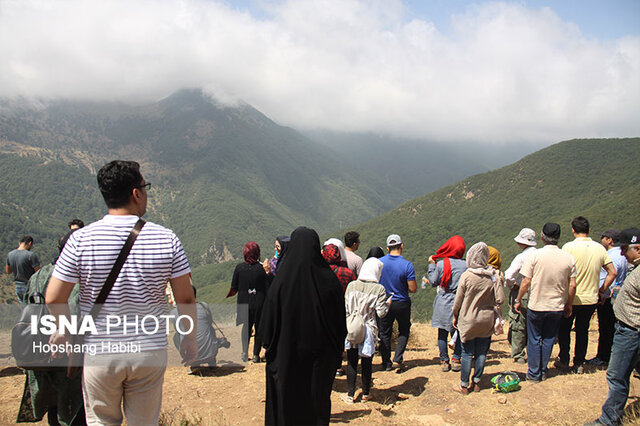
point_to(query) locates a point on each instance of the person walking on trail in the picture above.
(526, 240)
(550, 280)
(368, 298)
(303, 329)
(626, 340)
(399, 279)
(473, 315)
(590, 257)
(351, 245)
(129, 382)
(445, 275)
(249, 282)
(606, 318)
(22, 263)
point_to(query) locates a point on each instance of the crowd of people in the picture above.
(310, 304)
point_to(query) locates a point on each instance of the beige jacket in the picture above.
(475, 299)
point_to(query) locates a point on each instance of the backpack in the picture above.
(506, 382)
(356, 330)
(22, 341)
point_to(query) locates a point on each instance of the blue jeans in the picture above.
(624, 355)
(473, 352)
(20, 291)
(542, 328)
(444, 349)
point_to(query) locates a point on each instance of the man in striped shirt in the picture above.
(128, 381)
(626, 340)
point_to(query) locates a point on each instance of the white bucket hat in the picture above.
(527, 236)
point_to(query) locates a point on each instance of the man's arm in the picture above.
(56, 298)
(8, 269)
(413, 287)
(568, 307)
(524, 288)
(186, 302)
(608, 280)
(511, 274)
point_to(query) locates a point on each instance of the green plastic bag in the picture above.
(507, 381)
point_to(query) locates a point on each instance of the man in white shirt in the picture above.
(526, 240)
(352, 243)
(129, 380)
(550, 280)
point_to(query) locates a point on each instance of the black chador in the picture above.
(303, 329)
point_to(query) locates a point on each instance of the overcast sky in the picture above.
(499, 72)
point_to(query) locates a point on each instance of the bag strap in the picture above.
(117, 267)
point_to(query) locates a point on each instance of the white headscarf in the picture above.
(338, 243)
(371, 270)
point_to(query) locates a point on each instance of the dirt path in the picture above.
(420, 395)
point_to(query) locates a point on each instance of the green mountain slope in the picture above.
(595, 178)
(221, 175)
(418, 167)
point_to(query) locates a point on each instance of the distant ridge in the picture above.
(597, 178)
(221, 175)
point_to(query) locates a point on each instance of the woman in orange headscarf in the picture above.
(445, 268)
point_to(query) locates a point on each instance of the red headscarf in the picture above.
(454, 247)
(251, 252)
(331, 254)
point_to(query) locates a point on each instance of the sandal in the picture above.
(460, 389)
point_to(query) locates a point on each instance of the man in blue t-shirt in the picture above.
(399, 279)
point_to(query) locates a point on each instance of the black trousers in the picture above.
(352, 371)
(582, 315)
(398, 311)
(251, 322)
(606, 329)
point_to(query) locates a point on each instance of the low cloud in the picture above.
(504, 73)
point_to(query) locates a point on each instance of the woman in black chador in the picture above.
(303, 328)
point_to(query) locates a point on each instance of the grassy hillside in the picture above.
(555, 184)
(595, 178)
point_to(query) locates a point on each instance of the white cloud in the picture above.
(505, 72)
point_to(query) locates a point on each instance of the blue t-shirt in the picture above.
(396, 273)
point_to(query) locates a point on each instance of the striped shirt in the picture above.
(156, 256)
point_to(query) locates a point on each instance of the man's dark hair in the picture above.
(116, 181)
(395, 247)
(351, 238)
(26, 239)
(76, 222)
(580, 225)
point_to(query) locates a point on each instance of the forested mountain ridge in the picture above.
(221, 175)
(596, 178)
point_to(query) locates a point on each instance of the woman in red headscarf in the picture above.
(250, 283)
(445, 268)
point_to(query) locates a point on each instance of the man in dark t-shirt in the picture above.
(22, 263)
